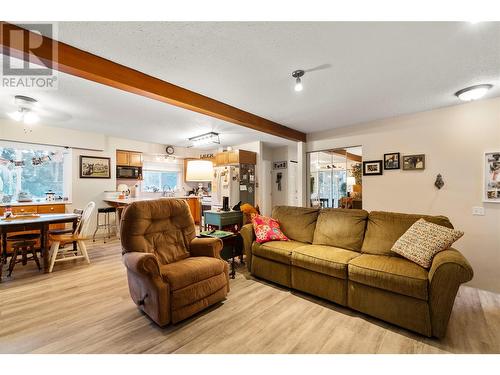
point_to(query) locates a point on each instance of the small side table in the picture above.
(222, 219)
(232, 247)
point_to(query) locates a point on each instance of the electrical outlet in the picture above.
(478, 211)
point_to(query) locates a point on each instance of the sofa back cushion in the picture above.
(163, 227)
(341, 228)
(297, 223)
(383, 229)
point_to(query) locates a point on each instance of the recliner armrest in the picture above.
(206, 247)
(142, 263)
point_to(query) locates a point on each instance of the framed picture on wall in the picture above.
(391, 161)
(95, 167)
(414, 162)
(491, 177)
(372, 168)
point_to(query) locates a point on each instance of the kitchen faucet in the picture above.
(168, 192)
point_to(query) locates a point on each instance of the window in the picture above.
(31, 169)
(155, 181)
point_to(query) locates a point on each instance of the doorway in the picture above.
(335, 179)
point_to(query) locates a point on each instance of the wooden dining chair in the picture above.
(79, 235)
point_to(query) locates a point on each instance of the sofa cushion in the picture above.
(297, 223)
(191, 270)
(327, 260)
(341, 228)
(383, 229)
(390, 273)
(279, 251)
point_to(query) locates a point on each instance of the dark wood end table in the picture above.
(231, 249)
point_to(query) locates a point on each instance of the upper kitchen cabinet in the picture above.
(135, 159)
(128, 158)
(122, 157)
(236, 157)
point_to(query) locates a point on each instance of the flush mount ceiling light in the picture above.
(473, 92)
(298, 82)
(205, 139)
(25, 112)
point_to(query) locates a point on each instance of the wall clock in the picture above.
(170, 150)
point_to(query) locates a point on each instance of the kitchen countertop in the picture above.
(140, 199)
(34, 203)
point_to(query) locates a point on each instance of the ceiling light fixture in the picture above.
(25, 112)
(298, 82)
(473, 92)
(205, 139)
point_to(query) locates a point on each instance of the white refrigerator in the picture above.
(225, 183)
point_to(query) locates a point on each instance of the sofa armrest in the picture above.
(248, 236)
(142, 263)
(448, 270)
(206, 247)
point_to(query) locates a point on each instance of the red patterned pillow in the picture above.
(267, 229)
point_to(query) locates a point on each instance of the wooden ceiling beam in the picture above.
(79, 63)
(348, 155)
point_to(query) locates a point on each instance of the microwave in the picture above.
(129, 172)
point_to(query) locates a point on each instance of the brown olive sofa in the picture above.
(171, 274)
(344, 256)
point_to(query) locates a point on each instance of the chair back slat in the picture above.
(83, 227)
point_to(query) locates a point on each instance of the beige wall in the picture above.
(454, 140)
(82, 190)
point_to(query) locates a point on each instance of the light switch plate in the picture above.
(478, 211)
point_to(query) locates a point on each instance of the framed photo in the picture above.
(372, 168)
(95, 167)
(392, 161)
(491, 177)
(414, 162)
(279, 165)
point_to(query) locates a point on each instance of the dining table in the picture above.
(40, 223)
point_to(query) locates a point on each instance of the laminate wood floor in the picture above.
(83, 308)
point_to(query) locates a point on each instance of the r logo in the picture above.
(28, 40)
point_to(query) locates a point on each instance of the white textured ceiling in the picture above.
(358, 71)
(367, 70)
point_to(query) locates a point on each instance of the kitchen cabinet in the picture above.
(122, 158)
(135, 159)
(236, 157)
(221, 158)
(128, 158)
(194, 207)
(51, 209)
(16, 210)
(40, 209)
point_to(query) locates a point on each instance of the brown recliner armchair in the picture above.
(171, 273)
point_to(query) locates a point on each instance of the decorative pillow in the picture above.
(267, 229)
(423, 240)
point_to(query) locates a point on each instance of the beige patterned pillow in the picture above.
(423, 240)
